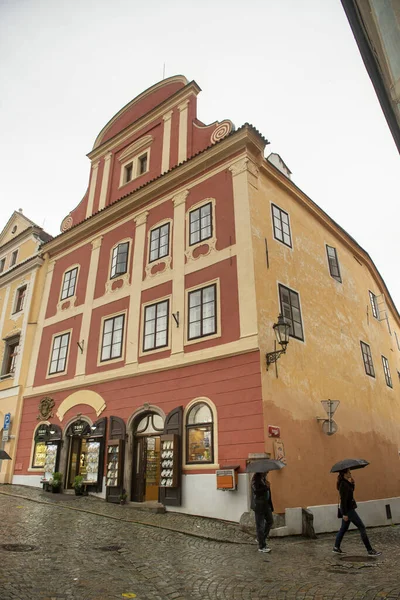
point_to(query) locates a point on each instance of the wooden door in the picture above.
(139, 466)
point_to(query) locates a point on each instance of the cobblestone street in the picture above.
(84, 548)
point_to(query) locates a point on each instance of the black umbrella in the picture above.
(4, 455)
(263, 465)
(349, 463)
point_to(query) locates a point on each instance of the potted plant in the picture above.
(56, 482)
(79, 485)
(123, 497)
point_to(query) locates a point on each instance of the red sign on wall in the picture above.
(274, 431)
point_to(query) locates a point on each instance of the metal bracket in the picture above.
(81, 345)
(176, 317)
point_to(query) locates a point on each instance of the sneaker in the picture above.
(265, 550)
(374, 553)
(337, 551)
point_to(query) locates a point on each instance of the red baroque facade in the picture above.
(146, 343)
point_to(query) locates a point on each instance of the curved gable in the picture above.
(139, 106)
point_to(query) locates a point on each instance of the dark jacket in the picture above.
(346, 492)
(261, 498)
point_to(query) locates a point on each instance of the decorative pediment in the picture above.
(131, 150)
(16, 224)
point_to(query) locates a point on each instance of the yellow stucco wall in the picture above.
(328, 364)
(22, 323)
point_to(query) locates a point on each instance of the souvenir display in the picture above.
(113, 466)
(169, 461)
(39, 458)
(51, 459)
(92, 461)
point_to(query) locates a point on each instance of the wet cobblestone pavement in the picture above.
(84, 555)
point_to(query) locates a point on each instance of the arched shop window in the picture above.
(39, 450)
(151, 423)
(199, 435)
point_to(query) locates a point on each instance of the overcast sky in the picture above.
(290, 67)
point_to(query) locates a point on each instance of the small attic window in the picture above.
(14, 229)
(142, 164)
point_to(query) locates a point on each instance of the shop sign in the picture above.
(42, 432)
(78, 427)
(274, 431)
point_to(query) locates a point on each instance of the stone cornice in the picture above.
(29, 265)
(156, 113)
(169, 183)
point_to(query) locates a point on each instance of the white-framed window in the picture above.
(159, 242)
(142, 164)
(20, 299)
(156, 325)
(59, 353)
(69, 283)
(135, 167)
(199, 428)
(14, 256)
(112, 338)
(374, 305)
(281, 225)
(10, 356)
(333, 262)
(119, 260)
(397, 340)
(291, 310)
(386, 370)
(202, 313)
(367, 358)
(200, 224)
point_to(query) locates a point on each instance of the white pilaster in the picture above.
(245, 265)
(104, 181)
(166, 148)
(39, 329)
(27, 308)
(183, 129)
(178, 272)
(87, 311)
(136, 293)
(92, 189)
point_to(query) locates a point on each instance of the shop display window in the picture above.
(199, 434)
(39, 454)
(92, 461)
(51, 459)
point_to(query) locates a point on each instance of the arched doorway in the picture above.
(147, 429)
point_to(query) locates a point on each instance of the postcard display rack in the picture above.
(169, 461)
(114, 471)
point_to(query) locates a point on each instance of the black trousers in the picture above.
(355, 519)
(264, 522)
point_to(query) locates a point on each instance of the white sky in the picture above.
(290, 67)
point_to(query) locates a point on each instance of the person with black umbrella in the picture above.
(345, 486)
(263, 509)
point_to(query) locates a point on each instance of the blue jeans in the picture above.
(264, 522)
(355, 519)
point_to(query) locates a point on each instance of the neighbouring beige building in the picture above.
(20, 281)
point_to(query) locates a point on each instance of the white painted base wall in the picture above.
(372, 512)
(200, 497)
(32, 480)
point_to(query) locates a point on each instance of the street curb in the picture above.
(144, 523)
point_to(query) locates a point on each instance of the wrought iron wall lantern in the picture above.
(282, 330)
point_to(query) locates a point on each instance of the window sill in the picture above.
(7, 376)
